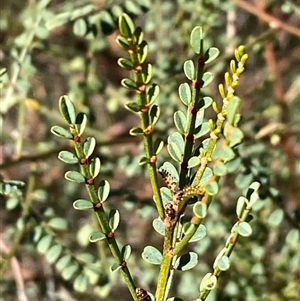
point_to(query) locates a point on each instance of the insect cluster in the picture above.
(171, 208)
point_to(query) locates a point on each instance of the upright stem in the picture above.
(148, 136)
(104, 225)
(191, 120)
(173, 231)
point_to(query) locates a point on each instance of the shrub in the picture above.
(168, 213)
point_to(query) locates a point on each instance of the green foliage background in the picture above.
(51, 48)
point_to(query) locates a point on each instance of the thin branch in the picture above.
(16, 270)
(265, 17)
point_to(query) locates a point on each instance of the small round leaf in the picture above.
(86, 258)
(223, 263)
(189, 69)
(211, 54)
(125, 64)
(115, 267)
(126, 251)
(96, 236)
(293, 237)
(114, 219)
(276, 218)
(63, 262)
(143, 161)
(152, 93)
(89, 146)
(154, 114)
(152, 255)
(209, 282)
(80, 27)
(69, 271)
(180, 121)
(199, 234)
(212, 188)
(171, 170)
(219, 168)
(67, 157)
(138, 35)
(159, 226)
(53, 253)
(186, 261)
(244, 229)
(38, 230)
(207, 78)
(241, 206)
(80, 283)
(185, 93)
(158, 145)
(82, 204)
(205, 102)
(74, 176)
(176, 146)
(133, 8)
(107, 22)
(147, 73)
(243, 180)
(196, 39)
(44, 244)
(129, 84)
(11, 203)
(94, 167)
(81, 122)
(58, 223)
(61, 132)
(126, 26)
(193, 162)
(67, 109)
(132, 106)
(142, 53)
(201, 130)
(232, 134)
(166, 195)
(103, 190)
(200, 210)
(123, 43)
(136, 131)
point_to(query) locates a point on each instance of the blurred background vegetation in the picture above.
(51, 48)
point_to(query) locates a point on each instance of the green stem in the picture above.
(166, 263)
(163, 277)
(230, 244)
(174, 231)
(104, 224)
(191, 121)
(20, 230)
(21, 119)
(195, 223)
(148, 137)
(9, 101)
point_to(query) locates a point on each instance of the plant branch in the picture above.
(8, 99)
(16, 270)
(265, 17)
(104, 224)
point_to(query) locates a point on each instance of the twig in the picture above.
(265, 17)
(16, 270)
(286, 146)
